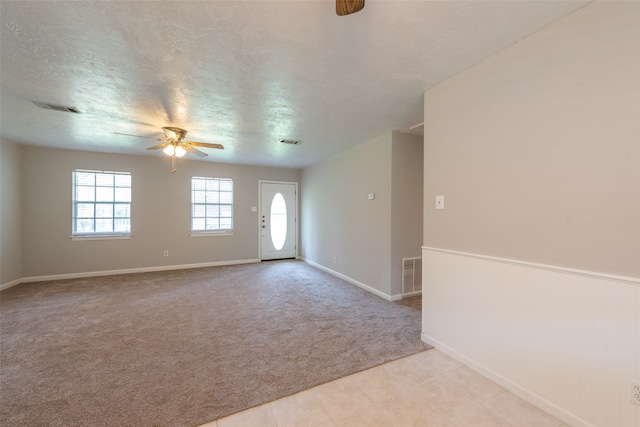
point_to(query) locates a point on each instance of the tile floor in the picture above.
(425, 389)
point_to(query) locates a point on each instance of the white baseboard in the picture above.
(10, 284)
(412, 294)
(353, 281)
(124, 271)
(534, 399)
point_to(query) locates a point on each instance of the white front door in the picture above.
(278, 219)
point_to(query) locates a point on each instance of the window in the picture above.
(211, 205)
(101, 203)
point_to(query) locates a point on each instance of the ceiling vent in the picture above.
(289, 141)
(57, 107)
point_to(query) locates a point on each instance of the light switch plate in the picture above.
(372, 196)
(439, 202)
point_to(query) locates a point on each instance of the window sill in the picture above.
(211, 233)
(81, 238)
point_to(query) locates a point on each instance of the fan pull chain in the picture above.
(173, 164)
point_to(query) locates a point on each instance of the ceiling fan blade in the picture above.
(205, 144)
(190, 149)
(346, 7)
(138, 136)
(159, 146)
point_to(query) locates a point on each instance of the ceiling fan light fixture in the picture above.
(179, 151)
(174, 144)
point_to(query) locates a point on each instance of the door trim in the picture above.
(295, 216)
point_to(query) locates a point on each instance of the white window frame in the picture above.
(110, 200)
(212, 204)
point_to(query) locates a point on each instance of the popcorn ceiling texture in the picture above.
(185, 347)
(241, 73)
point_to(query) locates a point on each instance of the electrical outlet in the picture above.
(634, 392)
(335, 260)
(166, 253)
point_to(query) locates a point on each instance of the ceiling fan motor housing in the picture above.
(174, 133)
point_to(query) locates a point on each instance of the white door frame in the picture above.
(295, 214)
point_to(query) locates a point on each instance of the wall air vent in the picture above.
(289, 141)
(411, 276)
(57, 107)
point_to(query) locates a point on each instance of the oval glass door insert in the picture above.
(278, 221)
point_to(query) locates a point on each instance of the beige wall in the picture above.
(160, 213)
(338, 220)
(537, 153)
(406, 203)
(367, 238)
(536, 149)
(10, 212)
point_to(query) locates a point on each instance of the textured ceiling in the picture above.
(241, 73)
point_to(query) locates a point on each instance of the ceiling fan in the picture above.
(347, 7)
(174, 144)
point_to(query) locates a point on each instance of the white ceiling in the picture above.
(241, 73)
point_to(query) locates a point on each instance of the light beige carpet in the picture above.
(181, 348)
